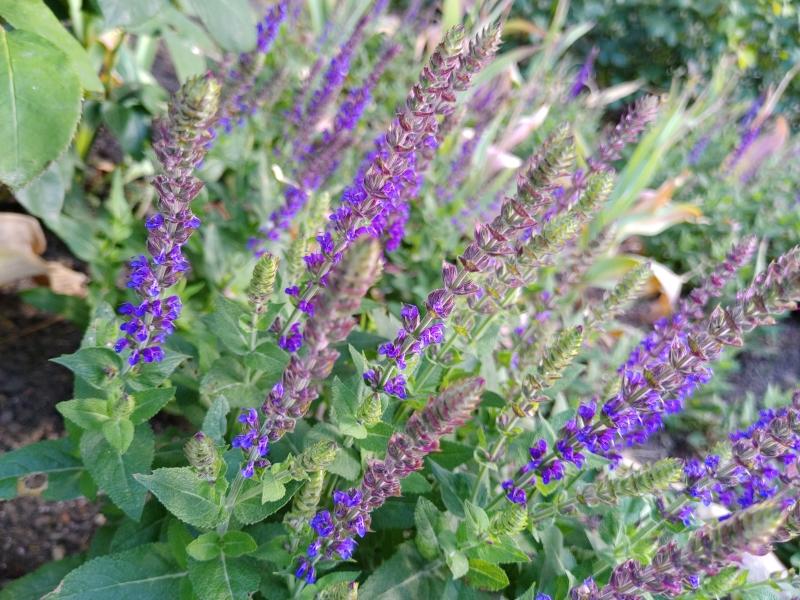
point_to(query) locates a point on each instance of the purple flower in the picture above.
(322, 523)
(306, 571)
(585, 73)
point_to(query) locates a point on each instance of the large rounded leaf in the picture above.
(40, 104)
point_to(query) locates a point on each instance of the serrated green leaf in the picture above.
(225, 322)
(95, 365)
(235, 32)
(238, 543)
(153, 374)
(415, 483)
(118, 433)
(215, 422)
(114, 472)
(50, 457)
(225, 378)
(454, 486)
(205, 547)
(185, 495)
(144, 573)
(35, 16)
(477, 519)
(149, 402)
(224, 578)
(486, 576)
(87, 413)
(405, 575)
(271, 489)
(269, 359)
(503, 552)
(249, 508)
(40, 104)
(426, 517)
(345, 399)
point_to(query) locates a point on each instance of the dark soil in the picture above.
(35, 531)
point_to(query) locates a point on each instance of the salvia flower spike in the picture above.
(363, 203)
(675, 569)
(637, 410)
(337, 531)
(179, 145)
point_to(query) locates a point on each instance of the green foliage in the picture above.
(40, 103)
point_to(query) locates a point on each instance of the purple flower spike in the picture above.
(179, 144)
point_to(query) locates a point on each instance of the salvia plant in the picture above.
(364, 323)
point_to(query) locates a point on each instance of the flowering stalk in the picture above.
(238, 82)
(674, 569)
(405, 452)
(491, 241)
(692, 308)
(320, 161)
(302, 378)
(365, 200)
(645, 397)
(179, 144)
(333, 79)
(479, 52)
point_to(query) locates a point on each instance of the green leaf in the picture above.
(95, 365)
(426, 517)
(271, 488)
(225, 322)
(205, 546)
(415, 483)
(503, 552)
(249, 508)
(454, 487)
(405, 575)
(127, 12)
(235, 32)
(51, 457)
(458, 563)
(36, 584)
(225, 377)
(215, 422)
(87, 413)
(345, 404)
(114, 472)
(153, 374)
(149, 403)
(269, 359)
(178, 538)
(130, 534)
(185, 495)
(224, 578)
(144, 573)
(477, 519)
(40, 104)
(238, 543)
(486, 576)
(33, 15)
(118, 433)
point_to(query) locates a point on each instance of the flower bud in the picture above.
(203, 456)
(262, 282)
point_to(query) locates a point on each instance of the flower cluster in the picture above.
(763, 459)
(179, 146)
(238, 81)
(491, 242)
(351, 518)
(331, 323)
(251, 439)
(333, 79)
(637, 410)
(321, 159)
(675, 569)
